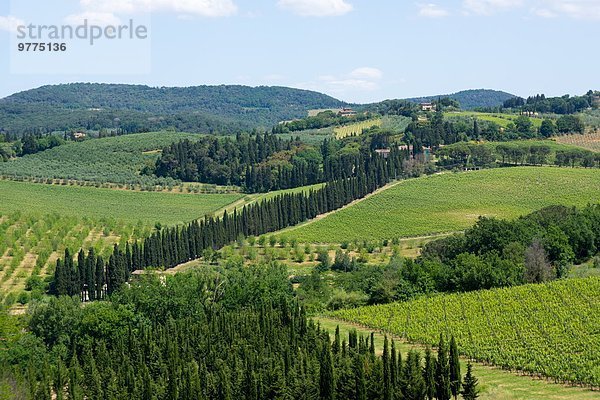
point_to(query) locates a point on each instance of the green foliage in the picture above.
(557, 318)
(134, 108)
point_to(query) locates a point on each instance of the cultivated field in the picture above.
(114, 159)
(453, 201)
(494, 383)
(589, 141)
(501, 119)
(550, 329)
(356, 128)
(31, 243)
(129, 206)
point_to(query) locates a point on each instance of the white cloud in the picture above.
(580, 9)
(361, 79)
(202, 8)
(489, 7)
(431, 10)
(10, 23)
(93, 18)
(369, 73)
(317, 8)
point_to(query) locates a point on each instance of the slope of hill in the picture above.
(470, 99)
(451, 202)
(547, 329)
(200, 108)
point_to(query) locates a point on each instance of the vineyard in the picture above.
(356, 128)
(551, 330)
(115, 159)
(501, 119)
(589, 141)
(129, 206)
(451, 202)
(30, 245)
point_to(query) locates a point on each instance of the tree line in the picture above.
(223, 334)
(92, 277)
(557, 105)
(261, 162)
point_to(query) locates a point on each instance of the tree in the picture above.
(326, 377)
(454, 362)
(429, 374)
(537, 267)
(469, 391)
(548, 128)
(442, 372)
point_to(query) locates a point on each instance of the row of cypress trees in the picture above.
(92, 277)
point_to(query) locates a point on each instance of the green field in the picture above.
(453, 201)
(356, 128)
(550, 329)
(129, 206)
(494, 383)
(501, 119)
(114, 159)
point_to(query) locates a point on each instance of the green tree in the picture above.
(454, 363)
(469, 391)
(442, 372)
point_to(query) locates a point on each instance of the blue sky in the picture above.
(355, 50)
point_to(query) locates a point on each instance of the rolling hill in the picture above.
(220, 109)
(470, 99)
(452, 202)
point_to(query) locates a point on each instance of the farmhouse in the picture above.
(383, 152)
(79, 136)
(427, 107)
(347, 112)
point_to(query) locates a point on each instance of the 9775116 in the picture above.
(40, 47)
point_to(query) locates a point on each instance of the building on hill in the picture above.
(427, 107)
(347, 112)
(383, 152)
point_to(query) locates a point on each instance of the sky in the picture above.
(355, 50)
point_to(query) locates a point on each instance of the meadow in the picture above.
(113, 159)
(544, 329)
(452, 202)
(125, 205)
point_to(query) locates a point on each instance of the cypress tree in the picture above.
(387, 381)
(454, 363)
(429, 374)
(442, 372)
(469, 391)
(326, 377)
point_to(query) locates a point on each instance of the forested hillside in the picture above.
(470, 99)
(135, 108)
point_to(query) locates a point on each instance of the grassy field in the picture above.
(114, 159)
(129, 206)
(501, 119)
(548, 329)
(451, 202)
(494, 383)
